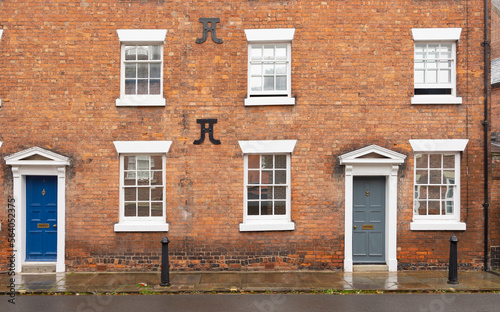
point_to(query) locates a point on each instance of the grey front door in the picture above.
(368, 233)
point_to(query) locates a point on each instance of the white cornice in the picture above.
(142, 35)
(51, 158)
(386, 156)
(438, 145)
(438, 34)
(267, 146)
(270, 35)
(144, 147)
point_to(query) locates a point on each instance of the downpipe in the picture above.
(486, 204)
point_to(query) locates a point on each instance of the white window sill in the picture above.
(141, 227)
(269, 100)
(437, 226)
(436, 99)
(140, 100)
(267, 226)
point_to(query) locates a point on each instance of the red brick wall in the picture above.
(352, 77)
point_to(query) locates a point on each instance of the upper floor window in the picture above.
(141, 81)
(142, 186)
(269, 66)
(267, 185)
(435, 59)
(436, 204)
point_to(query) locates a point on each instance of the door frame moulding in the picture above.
(373, 160)
(37, 161)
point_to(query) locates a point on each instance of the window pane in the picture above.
(253, 192)
(280, 69)
(280, 161)
(446, 50)
(434, 192)
(143, 162)
(431, 76)
(280, 192)
(419, 76)
(256, 52)
(448, 207)
(268, 69)
(130, 52)
(253, 208)
(433, 51)
(130, 210)
(266, 193)
(256, 69)
(435, 177)
(143, 193)
(281, 83)
(269, 52)
(253, 177)
(421, 161)
(435, 160)
(142, 177)
(130, 86)
(280, 177)
(253, 161)
(434, 208)
(156, 162)
(156, 178)
(256, 84)
(448, 161)
(143, 209)
(266, 208)
(157, 193)
(156, 52)
(130, 194)
(420, 192)
(268, 83)
(448, 176)
(267, 162)
(155, 86)
(130, 70)
(142, 52)
(129, 162)
(142, 70)
(142, 86)
(156, 209)
(421, 208)
(281, 52)
(420, 51)
(445, 76)
(279, 208)
(155, 70)
(267, 177)
(422, 177)
(129, 178)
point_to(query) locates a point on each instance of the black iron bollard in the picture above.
(165, 270)
(453, 267)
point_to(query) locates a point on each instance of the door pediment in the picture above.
(36, 156)
(372, 154)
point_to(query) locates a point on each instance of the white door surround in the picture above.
(373, 160)
(37, 161)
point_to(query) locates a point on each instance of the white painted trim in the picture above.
(145, 226)
(454, 145)
(436, 99)
(438, 34)
(142, 147)
(269, 100)
(267, 146)
(370, 167)
(142, 35)
(431, 225)
(141, 100)
(270, 35)
(21, 169)
(1, 32)
(267, 226)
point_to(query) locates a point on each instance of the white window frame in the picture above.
(447, 222)
(438, 35)
(268, 222)
(1, 32)
(145, 37)
(270, 37)
(141, 224)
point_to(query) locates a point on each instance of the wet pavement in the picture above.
(207, 282)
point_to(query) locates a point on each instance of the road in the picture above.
(487, 302)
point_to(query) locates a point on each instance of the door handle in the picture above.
(355, 227)
(55, 225)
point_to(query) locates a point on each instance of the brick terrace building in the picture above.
(350, 133)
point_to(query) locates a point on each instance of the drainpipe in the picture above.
(486, 46)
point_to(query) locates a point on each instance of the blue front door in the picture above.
(368, 234)
(41, 218)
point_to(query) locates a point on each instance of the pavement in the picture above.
(253, 282)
